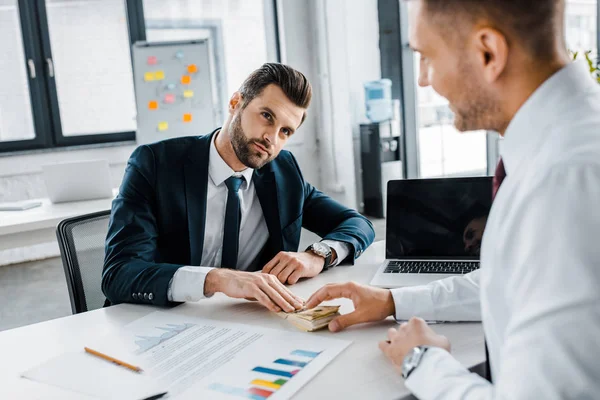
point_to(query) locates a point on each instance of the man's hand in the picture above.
(413, 333)
(265, 289)
(289, 267)
(370, 304)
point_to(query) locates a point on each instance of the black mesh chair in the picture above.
(81, 242)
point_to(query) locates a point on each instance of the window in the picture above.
(16, 116)
(70, 72)
(581, 25)
(443, 150)
(92, 66)
(69, 61)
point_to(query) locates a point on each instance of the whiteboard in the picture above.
(174, 89)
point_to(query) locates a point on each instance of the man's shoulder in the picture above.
(172, 151)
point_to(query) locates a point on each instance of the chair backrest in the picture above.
(81, 242)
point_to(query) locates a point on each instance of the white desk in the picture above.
(360, 372)
(38, 225)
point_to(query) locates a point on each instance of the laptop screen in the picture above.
(437, 218)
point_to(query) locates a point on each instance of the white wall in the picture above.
(337, 53)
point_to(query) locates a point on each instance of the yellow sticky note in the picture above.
(163, 126)
(149, 76)
(186, 79)
(153, 105)
(159, 75)
(187, 117)
(188, 93)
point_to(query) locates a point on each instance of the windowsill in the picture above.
(30, 161)
(66, 148)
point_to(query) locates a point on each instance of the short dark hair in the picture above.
(292, 82)
(537, 24)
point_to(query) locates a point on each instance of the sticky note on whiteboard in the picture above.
(163, 126)
(188, 93)
(192, 68)
(149, 76)
(159, 75)
(186, 79)
(169, 98)
(152, 60)
(187, 117)
(153, 105)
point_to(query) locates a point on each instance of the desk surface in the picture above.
(360, 372)
(37, 225)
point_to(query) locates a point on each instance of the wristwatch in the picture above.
(322, 250)
(412, 360)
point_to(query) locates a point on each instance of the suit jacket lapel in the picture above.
(266, 190)
(196, 181)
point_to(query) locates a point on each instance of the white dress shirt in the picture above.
(539, 282)
(188, 282)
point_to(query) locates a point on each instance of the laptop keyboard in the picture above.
(431, 267)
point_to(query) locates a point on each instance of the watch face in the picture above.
(320, 249)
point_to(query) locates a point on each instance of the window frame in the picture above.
(42, 89)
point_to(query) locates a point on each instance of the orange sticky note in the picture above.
(149, 76)
(188, 93)
(186, 79)
(163, 126)
(159, 75)
(187, 117)
(153, 105)
(192, 68)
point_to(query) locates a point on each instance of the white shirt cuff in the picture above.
(413, 302)
(342, 249)
(439, 375)
(188, 284)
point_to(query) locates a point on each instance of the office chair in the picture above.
(81, 242)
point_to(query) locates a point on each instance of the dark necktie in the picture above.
(496, 182)
(233, 216)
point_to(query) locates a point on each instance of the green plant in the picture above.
(594, 64)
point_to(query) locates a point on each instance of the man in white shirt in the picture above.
(503, 65)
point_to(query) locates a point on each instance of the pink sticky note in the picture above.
(152, 60)
(169, 98)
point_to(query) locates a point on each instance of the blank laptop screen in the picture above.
(437, 218)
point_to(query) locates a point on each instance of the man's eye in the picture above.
(286, 132)
(267, 116)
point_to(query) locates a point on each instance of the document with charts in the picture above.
(196, 358)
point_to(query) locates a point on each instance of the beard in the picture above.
(244, 149)
(476, 107)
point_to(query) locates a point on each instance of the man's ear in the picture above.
(235, 102)
(493, 49)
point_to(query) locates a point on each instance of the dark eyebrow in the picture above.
(267, 109)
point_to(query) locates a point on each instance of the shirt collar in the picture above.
(218, 169)
(532, 122)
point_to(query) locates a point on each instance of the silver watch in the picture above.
(412, 360)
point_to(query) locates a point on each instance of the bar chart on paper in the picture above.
(269, 378)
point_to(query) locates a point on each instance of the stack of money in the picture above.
(313, 319)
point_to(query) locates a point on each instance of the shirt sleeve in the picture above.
(452, 299)
(188, 284)
(342, 249)
(549, 348)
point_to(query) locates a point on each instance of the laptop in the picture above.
(433, 229)
(75, 181)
